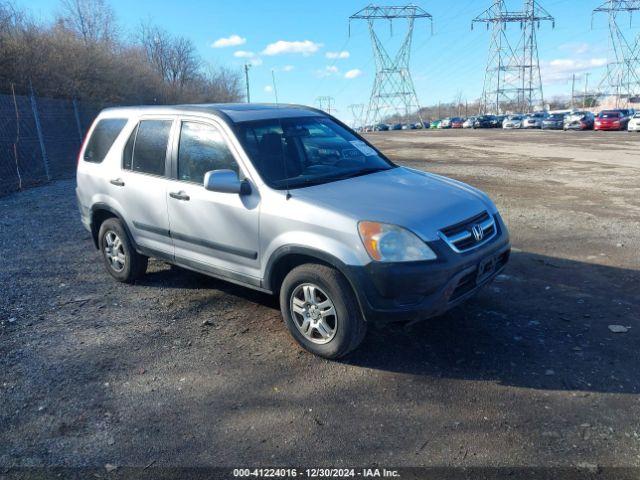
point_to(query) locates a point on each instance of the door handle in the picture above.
(117, 182)
(179, 196)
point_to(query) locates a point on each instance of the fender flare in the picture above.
(286, 250)
(104, 206)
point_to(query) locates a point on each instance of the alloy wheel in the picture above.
(114, 251)
(313, 313)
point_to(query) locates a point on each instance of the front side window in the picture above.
(149, 146)
(102, 138)
(299, 152)
(202, 149)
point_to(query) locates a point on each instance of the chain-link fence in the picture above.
(40, 138)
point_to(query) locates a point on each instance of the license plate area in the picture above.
(486, 268)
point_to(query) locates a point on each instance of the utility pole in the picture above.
(247, 66)
(393, 92)
(586, 86)
(622, 77)
(573, 92)
(275, 88)
(512, 75)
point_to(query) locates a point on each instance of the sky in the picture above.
(306, 45)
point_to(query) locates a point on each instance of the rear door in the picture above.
(211, 230)
(144, 182)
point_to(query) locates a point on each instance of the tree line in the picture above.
(84, 53)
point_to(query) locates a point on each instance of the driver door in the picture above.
(212, 231)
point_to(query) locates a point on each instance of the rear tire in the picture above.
(120, 257)
(321, 311)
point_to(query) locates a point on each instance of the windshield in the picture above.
(610, 115)
(556, 116)
(299, 152)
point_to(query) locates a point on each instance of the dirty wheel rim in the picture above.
(313, 313)
(114, 251)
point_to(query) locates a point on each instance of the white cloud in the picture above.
(231, 41)
(355, 73)
(253, 58)
(577, 48)
(243, 54)
(268, 88)
(337, 55)
(328, 71)
(288, 68)
(561, 70)
(280, 47)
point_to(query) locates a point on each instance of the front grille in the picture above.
(461, 238)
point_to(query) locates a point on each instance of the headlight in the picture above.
(390, 243)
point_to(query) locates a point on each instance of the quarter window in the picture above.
(149, 147)
(102, 138)
(202, 149)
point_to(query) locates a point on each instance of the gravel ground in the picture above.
(528, 373)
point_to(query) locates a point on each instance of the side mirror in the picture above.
(226, 181)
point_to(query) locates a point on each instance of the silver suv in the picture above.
(290, 201)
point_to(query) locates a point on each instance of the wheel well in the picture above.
(287, 263)
(98, 216)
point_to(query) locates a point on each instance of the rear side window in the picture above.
(149, 146)
(103, 136)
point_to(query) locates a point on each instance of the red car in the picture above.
(611, 120)
(457, 122)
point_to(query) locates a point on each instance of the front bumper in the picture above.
(419, 290)
(634, 127)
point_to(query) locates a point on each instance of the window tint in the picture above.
(150, 146)
(202, 149)
(102, 138)
(297, 152)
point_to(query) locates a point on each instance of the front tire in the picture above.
(321, 311)
(120, 257)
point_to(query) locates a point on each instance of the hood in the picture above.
(422, 202)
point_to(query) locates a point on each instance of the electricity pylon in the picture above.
(393, 92)
(357, 112)
(622, 78)
(326, 103)
(512, 77)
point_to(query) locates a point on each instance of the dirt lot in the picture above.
(528, 373)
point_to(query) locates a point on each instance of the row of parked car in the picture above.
(616, 119)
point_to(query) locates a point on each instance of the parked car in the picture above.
(579, 121)
(457, 122)
(611, 120)
(469, 122)
(534, 120)
(396, 126)
(485, 121)
(512, 122)
(445, 123)
(278, 199)
(634, 123)
(381, 127)
(418, 125)
(499, 119)
(554, 121)
(435, 124)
